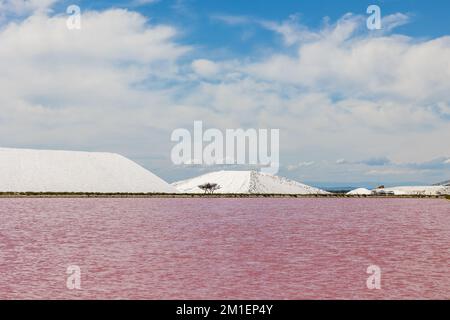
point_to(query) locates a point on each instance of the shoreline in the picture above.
(6, 195)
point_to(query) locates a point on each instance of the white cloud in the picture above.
(86, 89)
(357, 66)
(205, 68)
(393, 171)
(291, 31)
(300, 165)
(24, 7)
(393, 21)
(233, 19)
(144, 2)
(119, 84)
(346, 92)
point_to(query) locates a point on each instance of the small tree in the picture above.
(209, 187)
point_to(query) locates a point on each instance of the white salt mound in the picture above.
(416, 190)
(445, 183)
(246, 182)
(24, 170)
(360, 191)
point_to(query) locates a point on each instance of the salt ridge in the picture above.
(404, 191)
(246, 182)
(26, 170)
(360, 191)
(419, 190)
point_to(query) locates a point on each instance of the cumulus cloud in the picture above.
(301, 164)
(205, 68)
(435, 164)
(93, 88)
(393, 21)
(23, 7)
(388, 66)
(291, 30)
(392, 171)
(349, 87)
(379, 161)
(432, 167)
(123, 84)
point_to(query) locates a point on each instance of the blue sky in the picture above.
(354, 106)
(196, 17)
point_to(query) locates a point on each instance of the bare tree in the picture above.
(209, 187)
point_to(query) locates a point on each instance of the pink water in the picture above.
(224, 248)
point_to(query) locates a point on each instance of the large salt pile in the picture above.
(360, 192)
(444, 183)
(23, 170)
(415, 191)
(245, 182)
